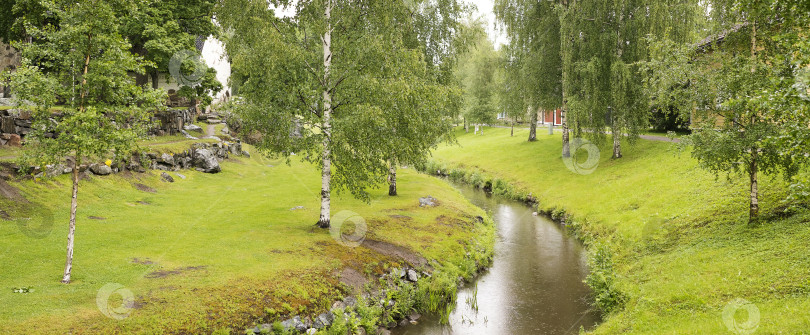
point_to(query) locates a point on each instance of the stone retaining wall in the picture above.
(15, 124)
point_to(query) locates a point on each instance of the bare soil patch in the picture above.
(392, 250)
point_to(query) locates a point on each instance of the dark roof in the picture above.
(712, 40)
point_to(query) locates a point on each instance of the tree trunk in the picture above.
(752, 173)
(466, 126)
(155, 79)
(513, 128)
(566, 150)
(392, 178)
(326, 173)
(72, 228)
(533, 125)
(617, 144)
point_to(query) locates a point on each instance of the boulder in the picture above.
(245, 153)
(205, 161)
(428, 201)
(413, 276)
(166, 177)
(193, 127)
(187, 135)
(167, 159)
(323, 320)
(100, 169)
(12, 140)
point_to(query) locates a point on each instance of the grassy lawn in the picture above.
(682, 247)
(209, 251)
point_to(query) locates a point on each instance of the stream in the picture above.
(534, 285)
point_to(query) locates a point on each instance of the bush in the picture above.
(602, 280)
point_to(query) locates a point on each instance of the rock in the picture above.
(167, 159)
(361, 331)
(193, 127)
(324, 320)
(350, 301)
(312, 331)
(187, 135)
(404, 322)
(205, 161)
(12, 140)
(383, 331)
(202, 117)
(390, 304)
(296, 208)
(299, 324)
(414, 316)
(181, 176)
(100, 169)
(212, 138)
(245, 153)
(534, 213)
(166, 177)
(428, 201)
(213, 121)
(413, 276)
(56, 170)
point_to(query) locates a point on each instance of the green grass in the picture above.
(682, 246)
(249, 250)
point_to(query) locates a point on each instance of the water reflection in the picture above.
(534, 286)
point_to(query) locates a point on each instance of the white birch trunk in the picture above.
(72, 229)
(326, 173)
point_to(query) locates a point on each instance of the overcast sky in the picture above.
(485, 10)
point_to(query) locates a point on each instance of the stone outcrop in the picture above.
(15, 124)
(204, 157)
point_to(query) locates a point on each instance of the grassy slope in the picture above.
(252, 251)
(684, 250)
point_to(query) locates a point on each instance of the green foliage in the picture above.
(202, 92)
(387, 100)
(158, 29)
(478, 72)
(602, 280)
(103, 111)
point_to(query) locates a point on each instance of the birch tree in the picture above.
(335, 67)
(745, 84)
(80, 61)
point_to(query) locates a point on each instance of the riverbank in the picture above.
(222, 253)
(670, 244)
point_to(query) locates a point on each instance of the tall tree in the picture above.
(159, 29)
(742, 82)
(477, 72)
(79, 59)
(334, 67)
(534, 54)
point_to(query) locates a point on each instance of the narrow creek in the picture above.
(535, 285)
